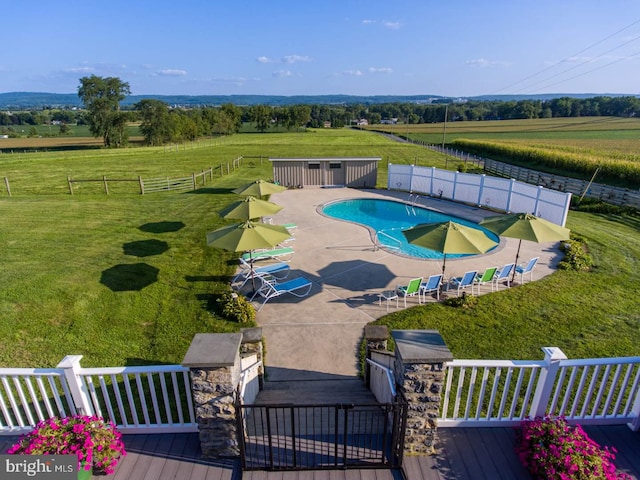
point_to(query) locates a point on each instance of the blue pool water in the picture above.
(389, 218)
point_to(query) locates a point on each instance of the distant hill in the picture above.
(28, 100)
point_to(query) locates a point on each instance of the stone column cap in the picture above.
(421, 346)
(251, 335)
(376, 332)
(213, 350)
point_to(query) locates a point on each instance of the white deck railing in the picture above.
(503, 392)
(146, 399)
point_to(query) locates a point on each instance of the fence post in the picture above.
(79, 393)
(546, 381)
(106, 187)
(70, 187)
(141, 185)
(634, 424)
(193, 181)
(6, 184)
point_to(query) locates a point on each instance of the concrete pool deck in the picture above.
(317, 337)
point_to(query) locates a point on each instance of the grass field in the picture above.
(128, 279)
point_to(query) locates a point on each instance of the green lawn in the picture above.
(128, 279)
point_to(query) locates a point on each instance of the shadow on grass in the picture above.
(210, 191)
(162, 227)
(129, 277)
(138, 362)
(145, 248)
(208, 278)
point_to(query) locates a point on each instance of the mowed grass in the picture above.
(128, 279)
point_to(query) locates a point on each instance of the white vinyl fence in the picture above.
(481, 190)
(146, 399)
(485, 393)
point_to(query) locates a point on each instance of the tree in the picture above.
(261, 115)
(101, 97)
(157, 126)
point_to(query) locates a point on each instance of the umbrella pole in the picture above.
(513, 277)
(253, 277)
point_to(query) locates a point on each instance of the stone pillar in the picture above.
(214, 363)
(252, 344)
(376, 337)
(421, 356)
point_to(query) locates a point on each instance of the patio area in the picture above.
(348, 273)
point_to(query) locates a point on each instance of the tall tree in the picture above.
(261, 115)
(101, 97)
(157, 125)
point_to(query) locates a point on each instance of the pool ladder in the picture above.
(412, 202)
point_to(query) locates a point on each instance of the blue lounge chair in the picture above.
(299, 287)
(283, 254)
(410, 290)
(503, 273)
(278, 270)
(523, 269)
(485, 278)
(466, 281)
(433, 284)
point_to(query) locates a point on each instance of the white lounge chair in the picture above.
(299, 287)
(466, 281)
(503, 273)
(523, 269)
(283, 254)
(278, 270)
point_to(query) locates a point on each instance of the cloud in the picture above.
(295, 58)
(238, 81)
(79, 70)
(171, 72)
(354, 73)
(380, 70)
(287, 59)
(282, 73)
(392, 25)
(366, 21)
(483, 62)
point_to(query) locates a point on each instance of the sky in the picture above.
(453, 48)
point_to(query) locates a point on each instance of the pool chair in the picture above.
(465, 281)
(523, 269)
(410, 290)
(278, 270)
(299, 287)
(282, 254)
(433, 284)
(486, 278)
(503, 274)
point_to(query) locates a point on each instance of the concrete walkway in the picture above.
(318, 337)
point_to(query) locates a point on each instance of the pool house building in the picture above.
(355, 172)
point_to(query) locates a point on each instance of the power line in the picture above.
(590, 60)
(569, 57)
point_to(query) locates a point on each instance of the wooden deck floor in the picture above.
(463, 453)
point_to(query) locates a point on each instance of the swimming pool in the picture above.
(388, 218)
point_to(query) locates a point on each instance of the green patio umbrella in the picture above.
(525, 226)
(449, 237)
(259, 188)
(248, 208)
(247, 237)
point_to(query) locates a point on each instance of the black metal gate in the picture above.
(313, 437)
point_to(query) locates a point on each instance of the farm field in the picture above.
(574, 147)
(127, 279)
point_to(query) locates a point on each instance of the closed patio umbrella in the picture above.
(247, 237)
(525, 226)
(449, 237)
(248, 208)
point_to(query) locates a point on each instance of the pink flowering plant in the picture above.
(551, 449)
(95, 441)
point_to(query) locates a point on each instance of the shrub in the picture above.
(576, 255)
(550, 449)
(95, 441)
(236, 307)
(465, 301)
